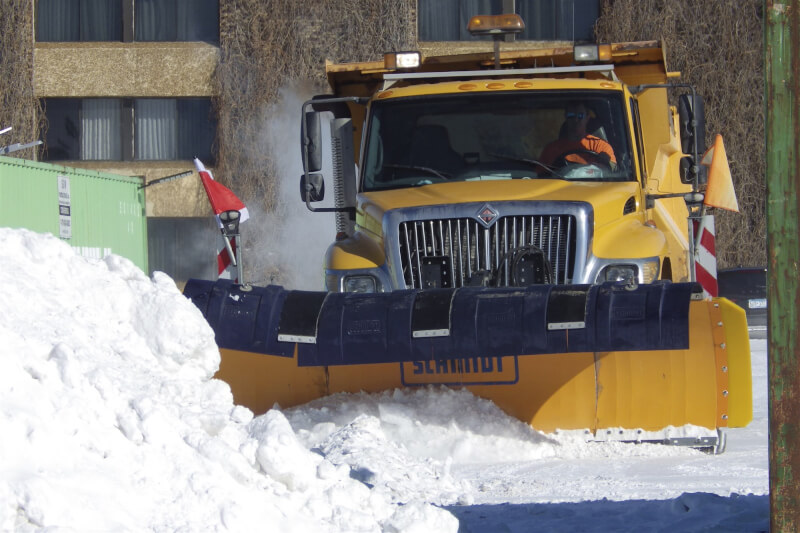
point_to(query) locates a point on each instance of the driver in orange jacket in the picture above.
(573, 145)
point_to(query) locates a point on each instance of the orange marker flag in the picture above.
(719, 192)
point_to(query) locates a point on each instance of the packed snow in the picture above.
(111, 421)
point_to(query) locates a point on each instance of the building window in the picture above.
(446, 20)
(545, 20)
(177, 20)
(127, 20)
(140, 129)
(79, 20)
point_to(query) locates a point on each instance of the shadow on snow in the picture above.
(690, 512)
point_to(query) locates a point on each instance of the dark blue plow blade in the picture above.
(416, 325)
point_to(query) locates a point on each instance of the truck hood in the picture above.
(608, 199)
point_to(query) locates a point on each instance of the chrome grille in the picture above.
(463, 246)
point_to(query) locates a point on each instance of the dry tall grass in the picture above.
(718, 47)
(19, 107)
(267, 45)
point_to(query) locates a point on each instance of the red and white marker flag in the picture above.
(705, 255)
(222, 199)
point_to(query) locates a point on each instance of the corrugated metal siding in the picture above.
(107, 212)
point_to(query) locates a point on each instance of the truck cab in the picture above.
(451, 172)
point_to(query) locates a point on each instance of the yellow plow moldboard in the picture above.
(693, 367)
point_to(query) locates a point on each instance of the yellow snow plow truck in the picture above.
(518, 223)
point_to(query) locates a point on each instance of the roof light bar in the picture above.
(606, 70)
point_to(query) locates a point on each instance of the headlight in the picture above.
(626, 273)
(360, 284)
(631, 272)
(363, 280)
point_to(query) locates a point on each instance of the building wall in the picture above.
(135, 70)
(183, 247)
(182, 197)
(124, 69)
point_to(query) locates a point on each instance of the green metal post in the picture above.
(782, 87)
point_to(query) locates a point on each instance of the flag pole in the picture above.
(238, 264)
(230, 232)
(229, 248)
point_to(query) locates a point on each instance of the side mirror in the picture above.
(312, 188)
(311, 141)
(692, 126)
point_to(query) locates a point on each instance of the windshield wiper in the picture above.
(427, 170)
(531, 162)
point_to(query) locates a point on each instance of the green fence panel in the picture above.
(95, 212)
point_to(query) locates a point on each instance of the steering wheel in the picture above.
(599, 158)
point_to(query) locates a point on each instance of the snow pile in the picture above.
(111, 421)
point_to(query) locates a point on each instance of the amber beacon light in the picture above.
(495, 24)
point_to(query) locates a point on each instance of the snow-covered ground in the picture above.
(110, 421)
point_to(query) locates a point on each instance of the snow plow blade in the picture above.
(597, 357)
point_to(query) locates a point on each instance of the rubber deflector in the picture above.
(352, 328)
(299, 314)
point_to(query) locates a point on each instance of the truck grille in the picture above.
(447, 252)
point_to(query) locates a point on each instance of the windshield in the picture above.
(569, 135)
